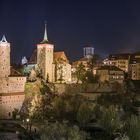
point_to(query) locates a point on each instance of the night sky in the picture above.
(111, 26)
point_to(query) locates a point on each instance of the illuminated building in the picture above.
(50, 64)
(45, 52)
(86, 61)
(119, 60)
(88, 52)
(129, 63)
(110, 74)
(11, 83)
(135, 67)
(62, 70)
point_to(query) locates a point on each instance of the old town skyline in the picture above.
(109, 26)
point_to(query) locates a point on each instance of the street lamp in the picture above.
(29, 124)
(27, 121)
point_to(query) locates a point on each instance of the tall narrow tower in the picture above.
(45, 58)
(4, 58)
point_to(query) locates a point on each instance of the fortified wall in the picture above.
(11, 87)
(12, 84)
(88, 88)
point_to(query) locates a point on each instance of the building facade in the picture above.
(11, 86)
(135, 66)
(62, 68)
(135, 71)
(110, 74)
(4, 58)
(45, 58)
(52, 66)
(88, 52)
(119, 60)
(129, 63)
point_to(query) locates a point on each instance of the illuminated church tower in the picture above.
(45, 58)
(4, 58)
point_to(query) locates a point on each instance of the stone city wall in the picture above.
(12, 84)
(93, 88)
(9, 102)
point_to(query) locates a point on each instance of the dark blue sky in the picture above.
(111, 26)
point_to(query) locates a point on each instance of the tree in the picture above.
(124, 137)
(58, 71)
(132, 128)
(92, 63)
(32, 76)
(41, 64)
(24, 112)
(15, 113)
(44, 89)
(66, 106)
(80, 73)
(84, 114)
(60, 77)
(62, 131)
(95, 61)
(47, 79)
(110, 121)
(38, 107)
(59, 107)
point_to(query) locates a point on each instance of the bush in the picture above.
(59, 107)
(124, 137)
(84, 114)
(62, 131)
(132, 128)
(110, 121)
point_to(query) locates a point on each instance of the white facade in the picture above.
(45, 60)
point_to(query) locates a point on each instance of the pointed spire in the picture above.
(3, 39)
(45, 33)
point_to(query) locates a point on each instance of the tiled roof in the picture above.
(124, 56)
(33, 58)
(135, 60)
(45, 42)
(109, 68)
(57, 55)
(15, 72)
(119, 56)
(60, 55)
(82, 60)
(136, 53)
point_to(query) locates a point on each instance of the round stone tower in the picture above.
(4, 58)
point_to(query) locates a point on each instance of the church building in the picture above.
(52, 66)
